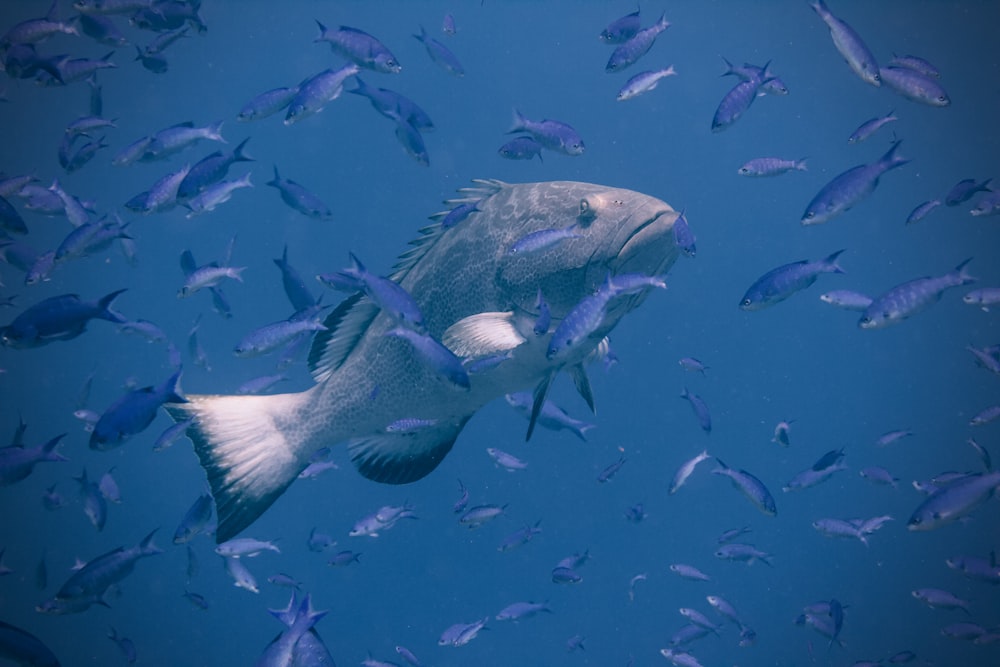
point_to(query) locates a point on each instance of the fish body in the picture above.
(685, 471)
(965, 190)
(743, 553)
(850, 45)
(211, 170)
(25, 648)
(870, 127)
(736, 102)
(954, 501)
(172, 140)
(255, 446)
(316, 92)
(17, 461)
(700, 409)
(195, 520)
(914, 86)
(506, 461)
(917, 64)
(752, 488)
(57, 318)
(520, 148)
(922, 211)
(911, 297)
(689, 572)
(812, 476)
(461, 634)
(550, 416)
(543, 239)
(215, 194)
(241, 575)
(643, 83)
(89, 584)
(778, 284)
(684, 237)
(988, 205)
(267, 104)
(394, 106)
(133, 412)
(984, 297)
(635, 47)
(298, 198)
(771, 166)
(849, 188)
(552, 134)
(519, 610)
(440, 54)
(360, 48)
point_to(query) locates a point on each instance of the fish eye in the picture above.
(746, 302)
(942, 98)
(587, 212)
(878, 78)
(811, 214)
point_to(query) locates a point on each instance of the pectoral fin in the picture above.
(582, 384)
(482, 335)
(538, 396)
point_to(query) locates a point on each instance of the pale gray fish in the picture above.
(313, 94)
(504, 460)
(752, 488)
(689, 572)
(870, 127)
(850, 45)
(984, 297)
(771, 166)
(922, 211)
(914, 86)
(241, 575)
(552, 134)
(936, 598)
(781, 433)
(846, 299)
(359, 47)
(635, 47)
(643, 83)
(245, 547)
(461, 634)
(743, 553)
(912, 297)
(520, 537)
(954, 502)
(685, 471)
(440, 54)
(520, 610)
(275, 436)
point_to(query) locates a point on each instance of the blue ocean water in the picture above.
(801, 360)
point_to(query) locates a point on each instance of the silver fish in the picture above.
(911, 297)
(253, 447)
(858, 56)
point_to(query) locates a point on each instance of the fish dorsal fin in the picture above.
(345, 327)
(482, 335)
(400, 458)
(431, 233)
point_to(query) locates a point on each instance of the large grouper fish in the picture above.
(476, 297)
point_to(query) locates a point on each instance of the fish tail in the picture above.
(801, 164)
(891, 159)
(248, 459)
(830, 263)
(104, 308)
(215, 131)
(51, 455)
(276, 181)
(962, 275)
(322, 31)
(146, 547)
(239, 155)
(518, 125)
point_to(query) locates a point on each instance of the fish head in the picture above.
(618, 231)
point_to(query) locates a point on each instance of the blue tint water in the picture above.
(800, 360)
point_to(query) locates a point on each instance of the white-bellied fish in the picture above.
(298, 198)
(643, 83)
(685, 471)
(914, 86)
(636, 46)
(552, 134)
(359, 47)
(267, 103)
(870, 127)
(922, 211)
(771, 166)
(752, 488)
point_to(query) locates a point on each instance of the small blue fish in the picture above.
(858, 56)
(628, 52)
(922, 211)
(915, 86)
(266, 104)
(519, 148)
(440, 54)
(870, 127)
(210, 170)
(850, 187)
(17, 461)
(778, 284)
(771, 166)
(917, 64)
(435, 356)
(738, 100)
(643, 82)
(552, 134)
(542, 240)
(551, 416)
(965, 190)
(133, 412)
(683, 236)
(57, 318)
(195, 520)
(911, 297)
(700, 410)
(394, 106)
(385, 293)
(621, 30)
(359, 47)
(298, 198)
(295, 287)
(412, 142)
(751, 487)
(448, 28)
(317, 91)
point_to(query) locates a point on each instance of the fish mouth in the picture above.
(649, 247)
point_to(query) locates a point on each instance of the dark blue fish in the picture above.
(413, 143)
(359, 47)
(700, 410)
(683, 236)
(521, 148)
(195, 519)
(385, 293)
(17, 461)
(300, 199)
(457, 214)
(440, 54)
(621, 30)
(435, 356)
(315, 92)
(10, 219)
(210, 170)
(102, 29)
(635, 47)
(778, 284)
(153, 62)
(394, 106)
(25, 648)
(133, 412)
(126, 645)
(738, 100)
(295, 288)
(964, 190)
(552, 134)
(57, 318)
(850, 187)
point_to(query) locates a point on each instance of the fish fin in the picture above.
(401, 458)
(482, 335)
(582, 384)
(538, 400)
(104, 306)
(248, 459)
(962, 275)
(188, 265)
(345, 327)
(830, 263)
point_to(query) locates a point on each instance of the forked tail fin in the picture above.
(248, 458)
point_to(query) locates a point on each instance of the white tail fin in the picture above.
(248, 459)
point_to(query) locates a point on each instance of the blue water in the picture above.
(801, 360)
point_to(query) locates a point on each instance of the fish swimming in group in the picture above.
(253, 447)
(908, 299)
(850, 187)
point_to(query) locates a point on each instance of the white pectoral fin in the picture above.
(248, 459)
(482, 335)
(403, 457)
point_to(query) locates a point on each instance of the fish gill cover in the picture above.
(177, 174)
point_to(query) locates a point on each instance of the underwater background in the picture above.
(802, 360)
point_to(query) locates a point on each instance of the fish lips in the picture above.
(648, 248)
